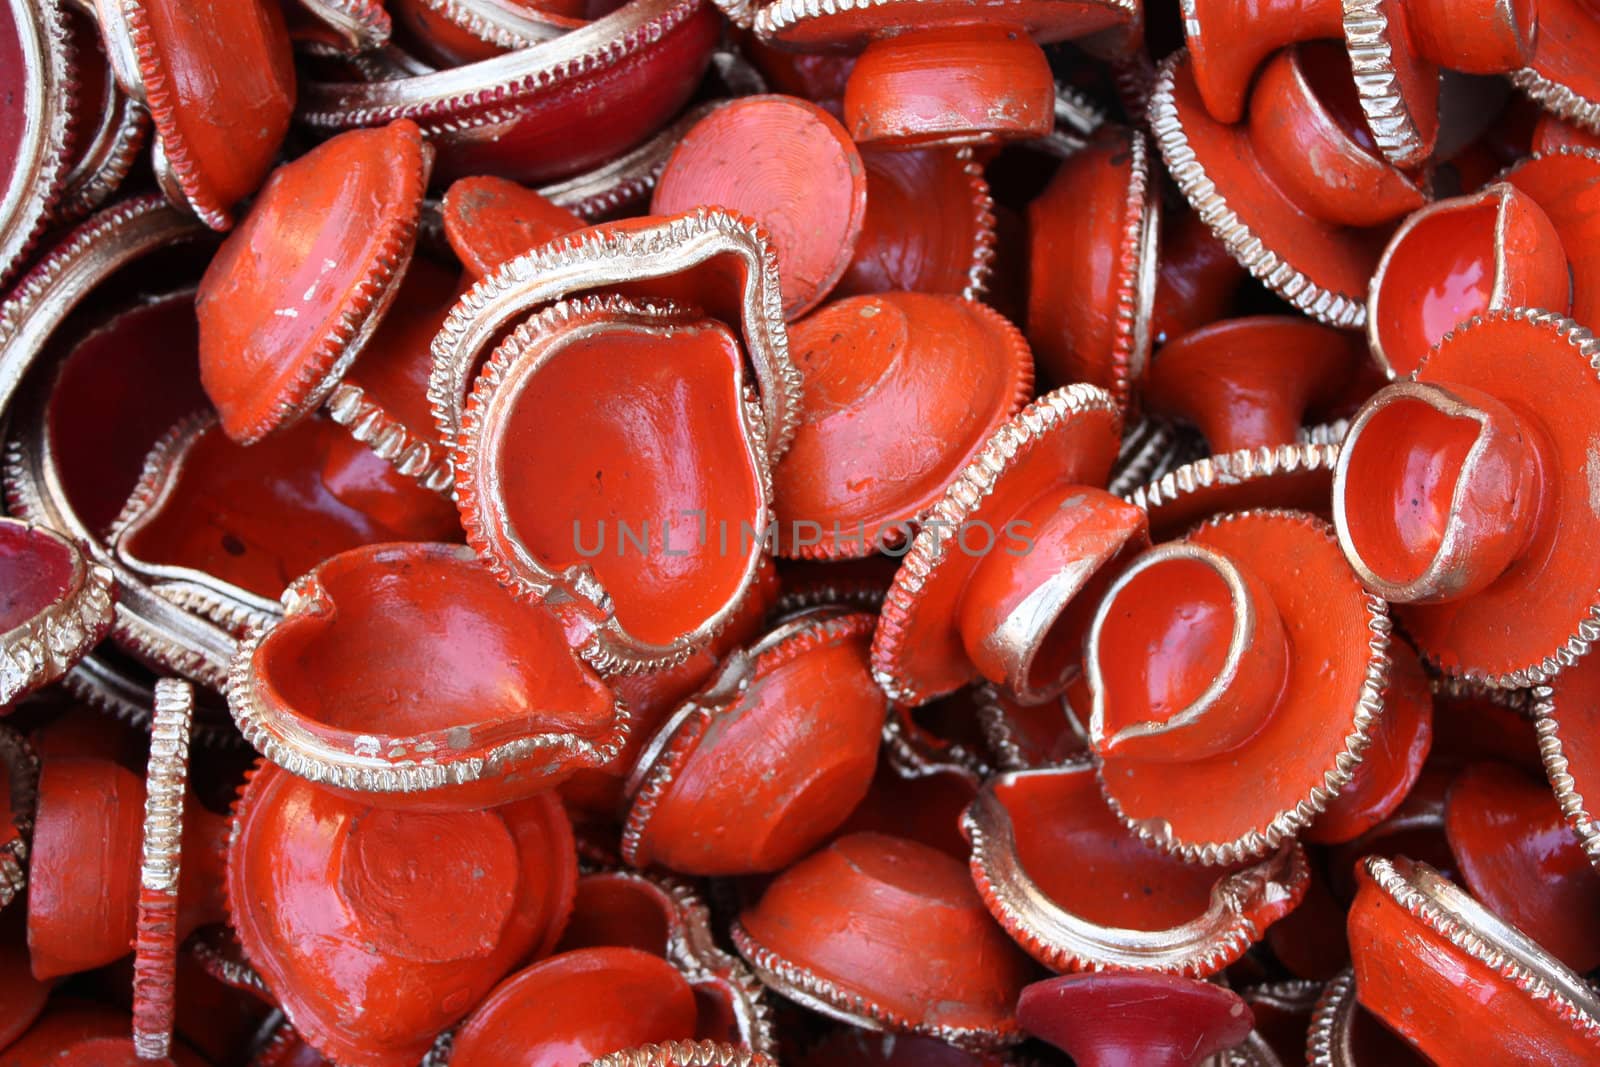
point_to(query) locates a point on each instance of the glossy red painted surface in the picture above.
(1196, 278)
(489, 220)
(36, 572)
(1124, 1020)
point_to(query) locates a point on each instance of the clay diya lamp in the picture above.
(929, 226)
(1196, 277)
(1519, 859)
(851, 1046)
(382, 401)
(1344, 1034)
(666, 918)
(1491, 250)
(1137, 1020)
(107, 130)
(934, 963)
(219, 82)
(1559, 75)
(763, 764)
(655, 565)
(92, 890)
(1397, 749)
(34, 158)
(685, 1054)
(1298, 193)
(82, 1032)
(19, 798)
(1093, 252)
(218, 528)
(1551, 134)
(1246, 652)
(1425, 954)
(358, 689)
(901, 392)
(348, 25)
(999, 581)
(293, 297)
(930, 71)
(545, 112)
(788, 165)
(1562, 184)
(1467, 504)
(1248, 382)
(1079, 892)
(489, 220)
(55, 605)
(575, 1006)
(370, 952)
(1570, 746)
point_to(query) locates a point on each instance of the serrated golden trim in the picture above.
(1557, 768)
(41, 166)
(406, 450)
(1560, 100)
(685, 1054)
(780, 15)
(1367, 41)
(362, 24)
(1232, 468)
(155, 947)
(42, 648)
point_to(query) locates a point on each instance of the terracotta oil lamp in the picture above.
(1558, 76)
(76, 1031)
(685, 1054)
(1396, 753)
(763, 764)
(1467, 504)
(55, 605)
(851, 1046)
(19, 799)
(889, 935)
(788, 165)
(1570, 746)
(382, 401)
(549, 527)
(970, 600)
(1551, 134)
(349, 25)
(574, 1007)
(34, 159)
(220, 529)
(901, 391)
(89, 895)
(1247, 651)
(666, 918)
(544, 112)
(1079, 892)
(1518, 857)
(373, 927)
(929, 71)
(1309, 228)
(1396, 51)
(1344, 1034)
(107, 131)
(1093, 237)
(1248, 383)
(1491, 250)
(219, 82)
(489, 220)
(929, 226)
(1196, 277)
(1562, 183)
(1135, 1020)
(293, 297)
(1426, 954)
(358, 689)
(1296, 476)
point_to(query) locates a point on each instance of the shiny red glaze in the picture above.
(1196, 278)
(1393, 760)
(84, 868)
(79, 1033)
(37, 571)
(900, 391)
(929, 225)
(1518, 856)
(1564, 185)
(376, 929)
(896, 924)
(300, 284)
(14, 126)
(925, 808)
(1564, 50)
(1226, 56)
(575, 1006)
(489, 220)
(1415, 830)
(260, 516)
(814, 76)
(415, 652)
(1125, 1020)
(788, 165)
(1552, 134)
(1491, 250)
(115, 394)
(751, 780)
(219, 79)
(1092, 261)
(1249, 382)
